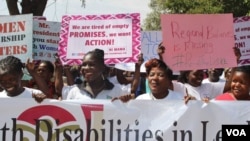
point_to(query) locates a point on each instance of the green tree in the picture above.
(238, 8)
(152, 22)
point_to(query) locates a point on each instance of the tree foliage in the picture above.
(152, 22)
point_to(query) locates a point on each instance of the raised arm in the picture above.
(237, 53)
(160, 51)
(41, 83)
(137, 74)
(58, 78)
(69, 76)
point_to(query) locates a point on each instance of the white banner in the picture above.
(102, 120)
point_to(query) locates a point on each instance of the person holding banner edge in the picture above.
(190, 82)
(159, 77)
(95, 84)
(240, 85)
(133, 83)
(11, 72)
(42, 72)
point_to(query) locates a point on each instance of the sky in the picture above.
(55, 9)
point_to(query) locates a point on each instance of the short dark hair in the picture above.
(183, 76)
(11, 64)
(98, 54)
(49, 65)
(244, 69)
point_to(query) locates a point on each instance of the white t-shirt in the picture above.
(206, 80)
(210, 90)
(27, 93)
(74, 92)
(125, 88)
(113, 80)
(218, 86)
(172, 95)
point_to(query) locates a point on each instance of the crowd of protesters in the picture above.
(93, 79)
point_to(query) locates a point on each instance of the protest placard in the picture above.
(118, 35)
(198, 41)
(242, 38)
(46, 36)
(16, 36)
(149, 42)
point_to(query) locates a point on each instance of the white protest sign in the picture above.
(118, 35)
(149, 42)
(46, 35)
(242, 38)
(16, 36)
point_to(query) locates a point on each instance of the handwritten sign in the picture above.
(46, 35)
(118, 35)
(198, 41)
(150, 41)
(242, 38)
(16, 36)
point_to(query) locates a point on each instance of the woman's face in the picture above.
(214, 74)
(43, 71)
(158, 82)
(11, 83)
(195, 77)
(240, 85)
(91, 68)
(124, 77)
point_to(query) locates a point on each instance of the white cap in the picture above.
(130, 67)
(143, 68)
(125, 66)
